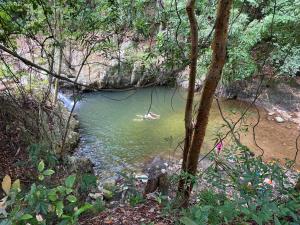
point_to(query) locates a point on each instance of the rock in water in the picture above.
(279, 119)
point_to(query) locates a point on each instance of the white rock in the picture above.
(95, 195)
(279, 119)
(144, 178)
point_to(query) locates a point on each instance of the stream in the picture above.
(115, 138)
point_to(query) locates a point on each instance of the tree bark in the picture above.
(190, 9)
(212, 79)
(56, 83)
(58, 34)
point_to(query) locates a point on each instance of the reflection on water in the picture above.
(114, 134)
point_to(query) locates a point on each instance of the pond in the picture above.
(114, 136)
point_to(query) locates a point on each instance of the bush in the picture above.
(41, 204)
(246, 190)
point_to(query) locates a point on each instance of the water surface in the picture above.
(114, 137)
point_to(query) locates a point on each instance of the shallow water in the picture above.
(114, 137)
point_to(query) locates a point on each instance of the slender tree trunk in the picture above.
(212, 79)
(58, 34)
(297, 187)
(190, 9)
(56, 83)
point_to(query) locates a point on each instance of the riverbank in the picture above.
(32, 131)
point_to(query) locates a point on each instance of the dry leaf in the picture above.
(6, 184)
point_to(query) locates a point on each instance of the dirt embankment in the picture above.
(31, 131)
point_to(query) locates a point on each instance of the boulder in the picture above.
(82, 165)
(157, 177)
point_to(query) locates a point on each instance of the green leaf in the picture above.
(48, 172)
(52, 196)
(17, 185)
(277, 222)
(82, 209)
(71, 198)
(70, 181)
(60, 189)
(41, 177)
(26, 217)
(188, 221)
(41, 166)
(68, 190)
(257, 219)
(59, 208)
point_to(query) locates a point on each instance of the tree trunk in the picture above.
(58, 34)
(190, 9)
(56, 84)
(212, 79)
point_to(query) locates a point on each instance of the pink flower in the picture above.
(219, 147)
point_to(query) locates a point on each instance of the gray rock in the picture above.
(82, 165)
(158, 177)
(109, 184)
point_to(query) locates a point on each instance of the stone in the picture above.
(158, 177)
(271, 113)
(107, 195)
(109, 184)
(279, 119)
(144, 178)
(77, 164)
(95, 195)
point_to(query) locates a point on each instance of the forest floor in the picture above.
(13, 155)
(148, 212)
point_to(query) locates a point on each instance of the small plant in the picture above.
(246, 190)
(136, 199)
(41, 204)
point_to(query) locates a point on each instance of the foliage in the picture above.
(87, 181)
(39, 152)
(274, 24)
(245, 190)
(41, 204)
(129, 189)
